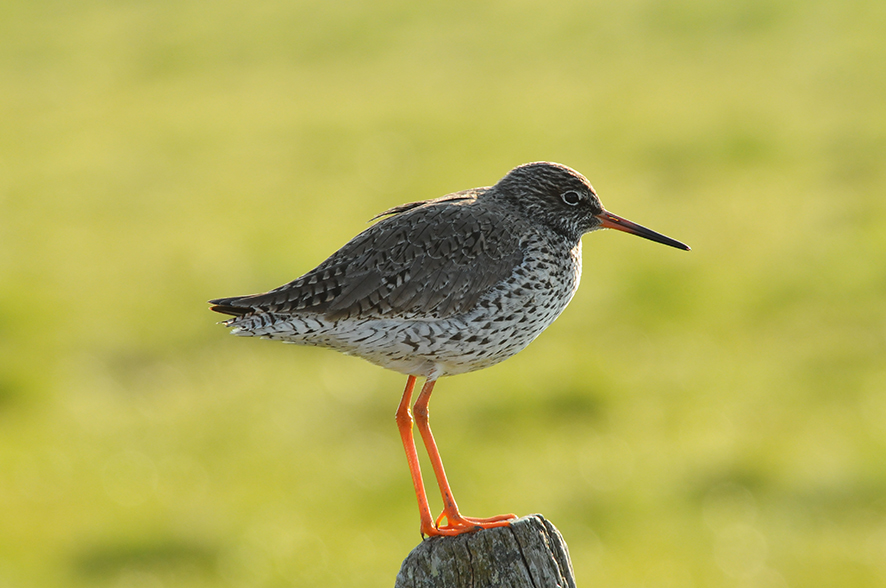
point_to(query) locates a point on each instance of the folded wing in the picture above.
(430, 259)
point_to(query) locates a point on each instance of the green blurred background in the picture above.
(713, 418)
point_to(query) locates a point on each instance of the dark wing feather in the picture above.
(434, 258)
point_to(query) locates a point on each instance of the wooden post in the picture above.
(530, 553)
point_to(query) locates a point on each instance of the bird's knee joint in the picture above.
(420, 413)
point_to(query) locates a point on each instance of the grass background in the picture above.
(713, 418)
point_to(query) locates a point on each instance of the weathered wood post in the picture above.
(530, 553)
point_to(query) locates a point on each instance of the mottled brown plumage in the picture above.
(442, 287)
(433, 258)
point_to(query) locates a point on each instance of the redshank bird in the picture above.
(443, 287)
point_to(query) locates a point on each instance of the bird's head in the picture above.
(565, 201)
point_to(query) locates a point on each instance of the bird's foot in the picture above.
(456, 524)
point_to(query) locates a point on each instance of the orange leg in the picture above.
(404, 424)
(455, 522)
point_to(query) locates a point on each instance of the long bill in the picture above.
(613, 221)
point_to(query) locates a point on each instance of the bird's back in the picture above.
(429, 259)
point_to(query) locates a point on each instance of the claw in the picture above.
(456, 524)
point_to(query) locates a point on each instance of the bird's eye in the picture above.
(571, 197)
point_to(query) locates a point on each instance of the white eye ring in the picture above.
(572, 198)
